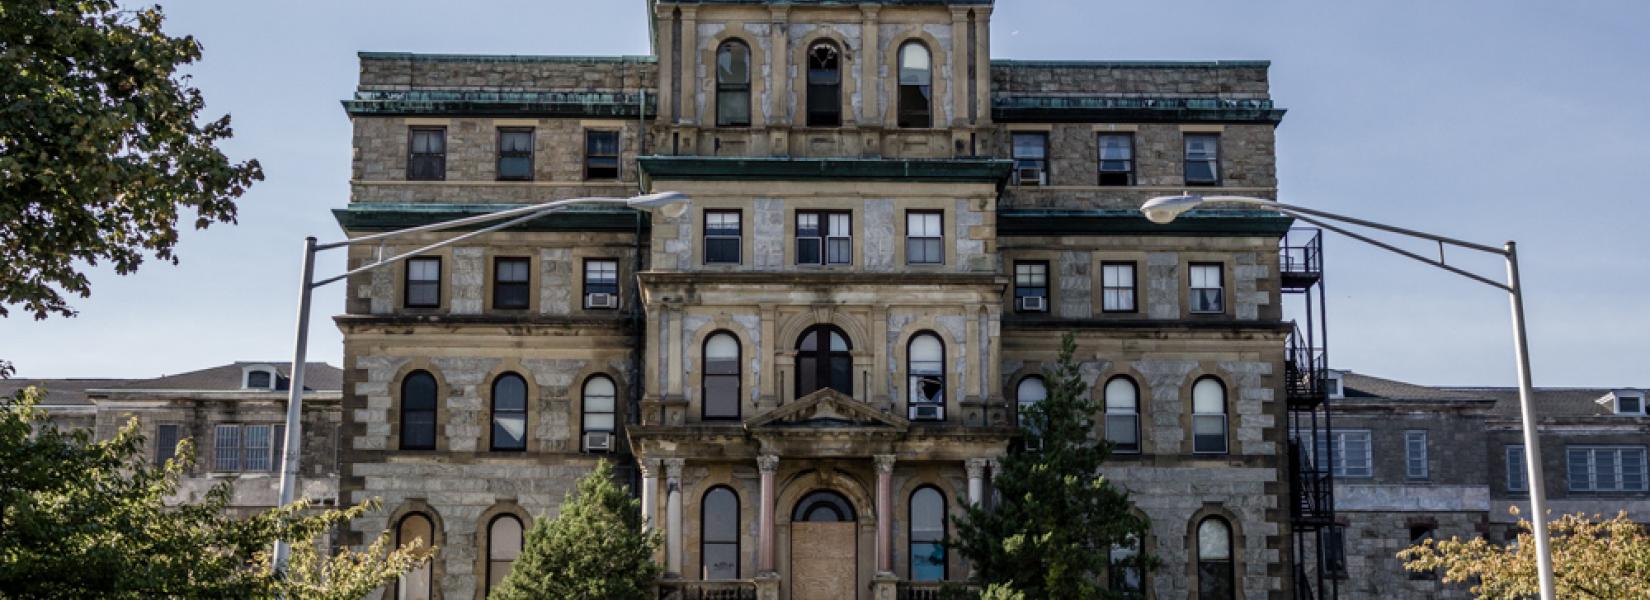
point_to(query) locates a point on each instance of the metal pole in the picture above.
(295, 395)
(1532, 438)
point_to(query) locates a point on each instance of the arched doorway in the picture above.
(824, 549)
(824, 359)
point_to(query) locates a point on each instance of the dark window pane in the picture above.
(166, 444)
(418, 408)
(1214, 580)
(601, 155)
(807, 375)
(807, 250)
(721, 396)
(842, 374)
(427, 156)
(721, 561)
(722, 250)
(824, 86)
(733, 108)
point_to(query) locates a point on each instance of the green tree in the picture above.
(593, 550)
(87, 518)
(1593, 558)
(100, 148)
(1051, 534)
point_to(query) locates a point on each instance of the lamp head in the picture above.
(1164, 209)
(669, 204)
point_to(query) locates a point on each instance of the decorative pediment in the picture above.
(826, 409)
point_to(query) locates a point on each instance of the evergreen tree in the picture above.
(593, 550)
(86, 518)
(1051, 534)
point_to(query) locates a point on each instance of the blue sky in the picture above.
(1486, 120)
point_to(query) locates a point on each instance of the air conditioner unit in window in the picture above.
(927, 412)
(1033, 303)
(601, 300)
(1031, 176)
(598, 441)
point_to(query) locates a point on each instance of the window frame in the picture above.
(823, 357)
(1416, 467)
(704, 534)
(408, 281)
(493, 413)
(738, 239)
(585, 283)
(590, 156)
(939, 214)
(1044, 169)
(440, 158)
(487, 557)
(435, 412)
(1186, 157)
(428, 568)
(585, 412)
(1133, 414)
(827, 234)
(832, 90)
(906, 115)
(1639, 398)
(1020, 404)
(724, 87)
(1046, 295)
(1133, 288)
(912, 378)
(1224, 416)
(1191, 289)
(706, 374)
(1228, 565)
(525, 285)
(911, 533)
(1592, 452)
(500, 153)
(164, 451)
(1100, 163)
(1340, 466)
(1512, 456)
(244, 451)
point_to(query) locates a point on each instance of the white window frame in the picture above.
(1114, 287)
(924, 218)
(1639, 398)
(1192, 272)
(1415, 455)
(1517, 474)
(274, 440)
(1342, 466)
(1592, 454)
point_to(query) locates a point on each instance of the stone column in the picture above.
(976, 480)
(650, 493)
(991, 481)
(673, 517)
(885, 513)
(768, 464)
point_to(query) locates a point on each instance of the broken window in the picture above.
(925, 367)
(824, 86)
(733, 85)
(915, 86)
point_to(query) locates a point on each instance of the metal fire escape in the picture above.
(1319, 558)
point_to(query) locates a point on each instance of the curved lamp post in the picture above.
(1165, 209)
(671, 204)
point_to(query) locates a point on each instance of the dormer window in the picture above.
(1630, 404)
(1332, 385)
(259, 380)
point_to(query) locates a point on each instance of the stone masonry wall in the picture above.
(1238, 80)
(1248, 165)
(397, 71)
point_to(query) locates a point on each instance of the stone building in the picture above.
(1413, 462)
(233, 414)
(823, 356)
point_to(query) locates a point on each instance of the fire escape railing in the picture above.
(1306, 371)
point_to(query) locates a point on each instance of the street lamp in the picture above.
(670, 204)
(1165, 209)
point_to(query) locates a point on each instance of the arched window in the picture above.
(824, 360)
(509, 412)
(417, 583)
(721, 377)
(824, 85)
(916, 78)
(823, 507)
(1216, 578)
(733, 84)
(418, 405)
(927, 535)
(1208, 416)
(600, 399)
(1123, 415)
(925, 371)
(719, 534)
(1125, 576)
(503, 546)
(1030, 391)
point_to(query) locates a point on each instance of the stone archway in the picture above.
(824, 547)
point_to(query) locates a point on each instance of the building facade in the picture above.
(809, 369)
(233, 415)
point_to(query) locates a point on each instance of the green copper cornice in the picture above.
(371, 217)
(1042, 222)
(959, 170)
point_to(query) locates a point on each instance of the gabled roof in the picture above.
(318, 376)
(827, 408)
(70, 391)
(1357, 385)
(1549, 402)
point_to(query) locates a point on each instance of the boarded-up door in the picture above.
(823, 561)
